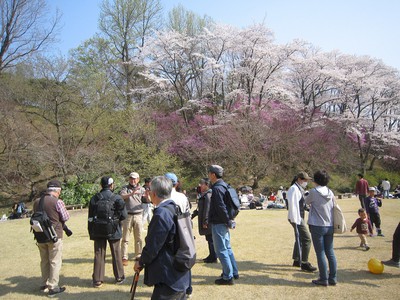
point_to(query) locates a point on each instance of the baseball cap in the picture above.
(172, 177)
(372, 189)
(106, 181)
(134, 175)
(303, 175)
(54, 184)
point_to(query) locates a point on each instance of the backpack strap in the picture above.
(41, 201)
(172, 244)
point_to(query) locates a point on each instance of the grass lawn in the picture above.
(262, 243)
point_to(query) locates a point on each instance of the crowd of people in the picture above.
(127, 212)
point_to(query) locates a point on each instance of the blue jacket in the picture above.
(218, 213)
(157, 254)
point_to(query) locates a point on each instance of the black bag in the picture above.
(103, 225)
(185, 250)
(41, 225)
(232, 201)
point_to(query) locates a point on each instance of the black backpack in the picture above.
(232, 201)
(41, 226)
(183, 243)
(103, 223)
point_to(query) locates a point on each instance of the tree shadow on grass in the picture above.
(28, 287)
(360, 277)
(255, 273)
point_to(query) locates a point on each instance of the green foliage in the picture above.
(78, 193)
(376, 176)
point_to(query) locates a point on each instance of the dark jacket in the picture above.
(218, 212)
(157, 254)
(203, 212)
(372, 205)
(119, 210)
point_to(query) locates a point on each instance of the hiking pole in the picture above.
(134, 284)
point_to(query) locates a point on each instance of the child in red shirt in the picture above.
(363, 228)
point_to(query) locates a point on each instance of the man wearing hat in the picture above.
(116, 210)
(132, 194)
(296, 208)
(179, 198)
(220, 223)
(51, 253)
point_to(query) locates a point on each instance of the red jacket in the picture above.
(362, 187)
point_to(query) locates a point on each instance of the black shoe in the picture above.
(320, 282)
(296, 263)
(209, 261)
(222, 281)
(44, 289)
(331, 282)
(54, 292)
(234, 276)
(391, 263)
(120, 280)
(307, 267)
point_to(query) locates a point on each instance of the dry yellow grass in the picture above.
(262, 243)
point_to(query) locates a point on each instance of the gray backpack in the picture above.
(185, 250)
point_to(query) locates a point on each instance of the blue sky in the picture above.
(361, 27)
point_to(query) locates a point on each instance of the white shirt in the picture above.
(294, 195)
(181, 200)
(386, 185)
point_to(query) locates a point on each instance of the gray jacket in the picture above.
(320, 200)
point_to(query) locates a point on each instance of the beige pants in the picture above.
(363, 238)
(132, 223)
(50, 263)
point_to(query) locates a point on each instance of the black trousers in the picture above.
(375, 219)
(100, 247)
(362, 200)
(396, 244)
(164, 292)
(302, 244)
(212, 255)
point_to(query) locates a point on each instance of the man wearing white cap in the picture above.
(103, 206)
(51, 252)
(132, 195)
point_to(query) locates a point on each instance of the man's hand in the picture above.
(137, 268)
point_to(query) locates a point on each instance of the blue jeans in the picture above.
(322, 237)
(222, 246)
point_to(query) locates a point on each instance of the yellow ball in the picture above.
(375, 266)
